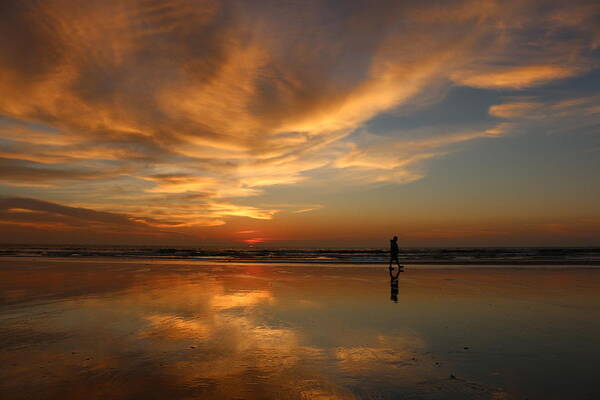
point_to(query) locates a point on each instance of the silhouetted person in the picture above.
(394, 285)
(394, 251)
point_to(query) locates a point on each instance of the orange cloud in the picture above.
(511, 110)
(378, 159)
(518, 77)
(254, 241)
(550, 116)
(139, 101)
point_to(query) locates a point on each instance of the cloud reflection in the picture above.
(131, 329)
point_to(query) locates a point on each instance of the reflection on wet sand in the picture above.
(101, 330)
(394, 282)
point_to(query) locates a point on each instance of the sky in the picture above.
(300, 123)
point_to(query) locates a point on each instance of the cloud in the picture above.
(519, 77)
(38, 214)
(224, 100)
(562, 114)
(21, 172)
(512, 110)
(43, 215)
(309, 209)
(375, 159)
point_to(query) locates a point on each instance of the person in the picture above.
(394, 251)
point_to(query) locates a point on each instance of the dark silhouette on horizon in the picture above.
(394, 251)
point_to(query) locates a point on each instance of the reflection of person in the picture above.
(394, 285)
(394, 251)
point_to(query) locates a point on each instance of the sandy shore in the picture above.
(119, 330)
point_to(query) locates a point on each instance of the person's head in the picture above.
(395, 239)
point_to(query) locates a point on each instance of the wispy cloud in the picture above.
(376, 159)
(218, 101)
(562, 114)
(38, 214)
(309, 209)
(512, 77)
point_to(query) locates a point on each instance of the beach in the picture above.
(155, 329)
(299, 200)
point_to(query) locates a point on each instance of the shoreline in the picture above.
(374, 263)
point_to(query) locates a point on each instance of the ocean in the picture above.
(425, 255)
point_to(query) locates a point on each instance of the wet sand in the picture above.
(154, 330)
